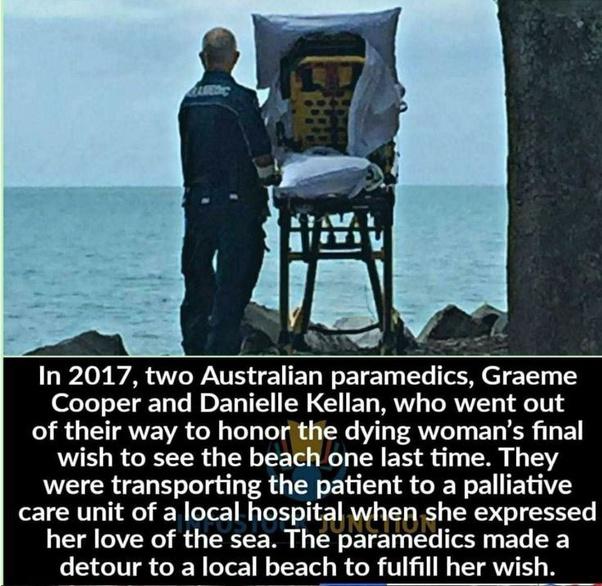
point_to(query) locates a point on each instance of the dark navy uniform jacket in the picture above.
(221, 132)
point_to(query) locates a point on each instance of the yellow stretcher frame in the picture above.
(320, 113)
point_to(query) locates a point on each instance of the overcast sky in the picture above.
(92, 87)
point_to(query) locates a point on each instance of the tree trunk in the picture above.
(553, 60)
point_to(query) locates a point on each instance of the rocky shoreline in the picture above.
(450, 332)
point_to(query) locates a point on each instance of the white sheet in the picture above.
(275, 35)
(312, 175)
(377, 100)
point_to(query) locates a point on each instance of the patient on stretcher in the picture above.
(334, 102)
(324, 172)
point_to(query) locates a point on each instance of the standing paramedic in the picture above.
(227, 164)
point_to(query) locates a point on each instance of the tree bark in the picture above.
(553, 61)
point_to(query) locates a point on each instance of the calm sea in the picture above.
(108, 259)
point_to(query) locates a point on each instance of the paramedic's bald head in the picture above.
(219, 50)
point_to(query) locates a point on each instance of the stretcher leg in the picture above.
(371, 265)
(285, 226)
(388, 337)
(310, 285)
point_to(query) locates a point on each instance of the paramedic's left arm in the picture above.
(258, 142)
(183, 139)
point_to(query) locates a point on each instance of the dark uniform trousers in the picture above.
(230, 232)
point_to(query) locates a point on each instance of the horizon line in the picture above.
(158, 186)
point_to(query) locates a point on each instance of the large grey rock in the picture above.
(89, 343)
(369, 340)
(330, 344)
(481, 346)
(262, 319)
(487, 315)
(256, 342)
(355, 322)
(500, 327)
(452, 322)
(258, 318)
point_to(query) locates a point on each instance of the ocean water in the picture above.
(109, 259)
